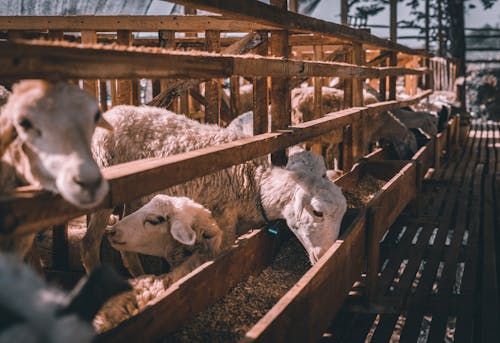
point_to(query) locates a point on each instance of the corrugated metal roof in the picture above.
(74, 7)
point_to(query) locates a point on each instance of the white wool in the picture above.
(25, 295)
(232, 195)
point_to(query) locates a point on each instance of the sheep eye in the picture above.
(318, 214)
(324, 175)
(25, 124)
(97, 116)
(156, 220)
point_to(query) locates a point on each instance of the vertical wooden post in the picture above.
(347, 161)
(348, 89)
(260, 93)
(383, 82)
(90, 37)
(280, 91)
(344, 11)
(124, 94)
(318, 97)
(393, 59)
(440, 29)
(166, 40)
(357, 101)
(235, 95)
(212, 110)
(294, 5)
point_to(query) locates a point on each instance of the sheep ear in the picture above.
(90, 294)
(182, 232)
(7, 134)
(101, 122)
(299, 204)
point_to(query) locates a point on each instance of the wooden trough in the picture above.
(320, 291)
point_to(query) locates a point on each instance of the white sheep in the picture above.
(45, 135)
(175, 228)
(31, 311)
(312, 206)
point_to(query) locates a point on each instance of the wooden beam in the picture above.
(90, 37)
(212, 40)
(136, 23)
(260, 94)
(124, 94)
(314, 39)
(261, 13)
(280, 90)
(51, 60)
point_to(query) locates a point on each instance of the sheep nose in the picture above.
(90, 184)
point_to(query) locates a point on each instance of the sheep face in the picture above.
(158, 227)
(53, 124)
(315, 213)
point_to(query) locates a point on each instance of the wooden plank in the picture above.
(137, 23)
(124, 94)
(52, 61)
(212, 110)
(319, 293)
(259, 12)
(280, 90)
(188, 296)
(260, 94)
(90, 37)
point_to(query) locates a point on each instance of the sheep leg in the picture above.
(90, 245)
(132, 262)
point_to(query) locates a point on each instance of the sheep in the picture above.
(148, 230)
(30, 311)
(175, 228)
(312, 206)
(45, 135)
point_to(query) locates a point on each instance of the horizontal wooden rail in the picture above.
(30, 209)
(55, 60)
(138, 23)
(261, 13)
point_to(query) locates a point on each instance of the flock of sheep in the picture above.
(47, 139)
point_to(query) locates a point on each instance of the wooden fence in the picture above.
(291, 47)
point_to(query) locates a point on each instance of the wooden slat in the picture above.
(212, 110)
(189, 295)
(90, 37)
(280, 90)
(52, 61)
(260, 94)
(319, 293)
(259, 12)
(136, 23)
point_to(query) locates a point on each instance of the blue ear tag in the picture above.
(273, 228)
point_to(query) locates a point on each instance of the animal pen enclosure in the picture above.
(278, 49)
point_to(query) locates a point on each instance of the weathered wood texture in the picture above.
(259, 12)
(53, 61)
(442, 268)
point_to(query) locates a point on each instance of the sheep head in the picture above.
(164, 225)
(311, 204)
(51, 126)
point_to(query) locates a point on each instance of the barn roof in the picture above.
(74, 7)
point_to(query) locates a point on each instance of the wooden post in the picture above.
(235, 95)
(166, 39)
(383, 83)
(294, 5)
(318, 101)
(344, 11)
(357, 101)
(347, 154)
(260, 93)
(90, 37)
(280, 91)
(212, 110)
(393, 59)
(124, 91)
